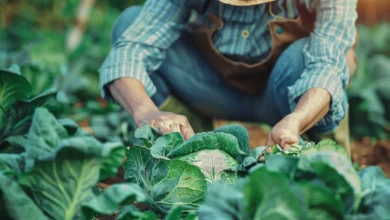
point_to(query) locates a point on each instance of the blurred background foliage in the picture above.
(62, 43)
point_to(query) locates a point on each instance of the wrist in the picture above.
(297, 118)
(140, 112)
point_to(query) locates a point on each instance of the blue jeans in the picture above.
(187, 75)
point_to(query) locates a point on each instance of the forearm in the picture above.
(311, 108)
(131, 95)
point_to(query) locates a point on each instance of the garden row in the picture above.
(49, 169)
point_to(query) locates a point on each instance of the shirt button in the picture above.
(279, 30)
(245, 33)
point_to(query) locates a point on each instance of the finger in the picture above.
(153, 124)
(282, 141)
(286, 147)
(270, 141)
(187, 131)
(286, 141)
(175, 127)
(164, 127)
(182, 120)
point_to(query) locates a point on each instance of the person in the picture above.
(286, 63)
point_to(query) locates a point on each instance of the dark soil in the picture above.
(368, 153)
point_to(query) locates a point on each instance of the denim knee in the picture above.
(290, 65)
(287, 70)
(124, 21)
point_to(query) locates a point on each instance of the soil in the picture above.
(372, 153)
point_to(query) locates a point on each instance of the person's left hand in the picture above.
(285, 133)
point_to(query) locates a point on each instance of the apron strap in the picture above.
(206, 6)
(304, 12)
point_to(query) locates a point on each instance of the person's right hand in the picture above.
(166, 122)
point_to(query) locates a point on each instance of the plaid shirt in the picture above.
(141, 49)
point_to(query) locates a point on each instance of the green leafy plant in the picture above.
(54, 177)
(369, 93)
(317, 183)
(173, 172)
(17, 107)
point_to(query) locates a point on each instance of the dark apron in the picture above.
(251, 78)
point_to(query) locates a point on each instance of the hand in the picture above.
(166, 122)
(286, 132)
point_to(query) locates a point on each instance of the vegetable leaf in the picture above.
(214, 164)
(111, 199)
(209, 140)
(44, 135)
(165, 144)
(321, 201)
(15, 203)
(241, 134)
(114, 154)
(265, 201)
(336, 171)
(130, 212)
(167, 183)
(147, 134)
(224, 202)
(375, 203)
(13, 87)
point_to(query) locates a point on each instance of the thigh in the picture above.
(195, 82)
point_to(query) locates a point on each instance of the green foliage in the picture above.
(159, 180)
(319, 182)
(375, 195)
(369, 92)
(203, 159)
(55, 175)
(16, 108)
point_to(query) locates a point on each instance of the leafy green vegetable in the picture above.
(109, 200)
(375, 195)
(175, 213)
(332, 168)
(214, 164)
(19, 117)
(167, 183)
(113, 126)
(260, 196)
(224, 202)
(14, 203)
(315, 182)
(321, 201)
(13, 86)
(13, 163)
(148, 134)
(165, 144)
(283, 164)
(130, 212)
(51, 188)
(40, 78)
(252, 158)
(59, 171)
(242, 137)
(204, 158)
(200, 141)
